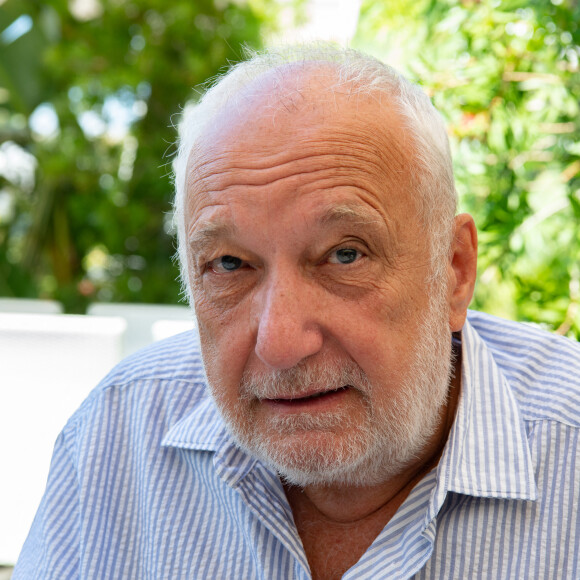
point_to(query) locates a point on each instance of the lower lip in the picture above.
(318, 404)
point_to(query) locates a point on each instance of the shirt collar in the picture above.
(203, 429)
(487, 454)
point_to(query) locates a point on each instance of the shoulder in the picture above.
(164, 380)
(175, 358)
(543, 369)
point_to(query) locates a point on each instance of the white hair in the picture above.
(435, 194)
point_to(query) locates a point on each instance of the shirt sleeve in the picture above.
(52, 548)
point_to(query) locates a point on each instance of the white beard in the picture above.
(390, 438)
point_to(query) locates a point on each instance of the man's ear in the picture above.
(462, 270)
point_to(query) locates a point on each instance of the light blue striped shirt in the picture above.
(146, 484)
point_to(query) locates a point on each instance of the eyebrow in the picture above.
(206, 233)
(350, 213)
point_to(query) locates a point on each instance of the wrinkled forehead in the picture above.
(301, 104)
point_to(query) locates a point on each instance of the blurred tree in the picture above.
(506, 76)
(87, 91)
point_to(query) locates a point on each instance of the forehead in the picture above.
(306, 131)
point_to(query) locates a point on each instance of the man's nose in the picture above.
(288, 312)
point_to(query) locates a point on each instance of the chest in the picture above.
(331, 551)
(333, 547)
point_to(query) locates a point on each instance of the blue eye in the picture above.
(225, 264)
(344, 256)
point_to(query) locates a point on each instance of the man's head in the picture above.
(315, 207)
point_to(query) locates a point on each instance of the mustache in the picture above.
(306, 376)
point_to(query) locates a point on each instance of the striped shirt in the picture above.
(146, 484)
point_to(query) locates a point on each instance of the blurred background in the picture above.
(90, 91)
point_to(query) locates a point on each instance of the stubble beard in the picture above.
(308, 449)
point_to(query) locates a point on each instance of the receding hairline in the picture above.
(291, 89)
(326, 127)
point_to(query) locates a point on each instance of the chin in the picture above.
(329, 450)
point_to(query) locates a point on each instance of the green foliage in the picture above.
(506, 76)
(96, 223)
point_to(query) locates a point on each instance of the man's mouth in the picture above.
(293, 400)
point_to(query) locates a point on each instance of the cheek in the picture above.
(219, 294)
(385, 315)
(383, 357)
(382, 334)
(215, 305)
(225, 346)
(221, 373)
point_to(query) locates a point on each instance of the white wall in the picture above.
(48, 365)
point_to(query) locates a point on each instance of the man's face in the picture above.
(326, 350)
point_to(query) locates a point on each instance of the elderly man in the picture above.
(349, 420)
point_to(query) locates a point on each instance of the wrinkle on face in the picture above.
(273, 161)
